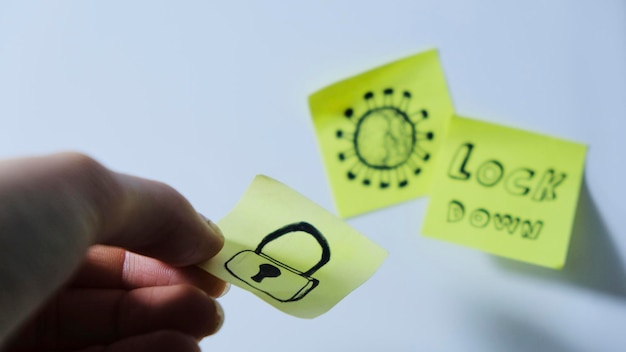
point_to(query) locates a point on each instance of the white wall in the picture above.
(204, 95)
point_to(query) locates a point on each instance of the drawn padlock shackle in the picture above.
(292, 284)
(304, 227)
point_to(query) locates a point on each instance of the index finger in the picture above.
(116, 268)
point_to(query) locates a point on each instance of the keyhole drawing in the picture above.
(265, 271)
(386, 143)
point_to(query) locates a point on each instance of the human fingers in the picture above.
(54, 207)
(116, 268)
(79, 318)
(160, 341)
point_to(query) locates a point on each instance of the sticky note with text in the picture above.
(290, 252)
(379, 132)
(506, 191)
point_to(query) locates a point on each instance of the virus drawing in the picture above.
(386, 143)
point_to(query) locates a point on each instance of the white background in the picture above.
(206, 94)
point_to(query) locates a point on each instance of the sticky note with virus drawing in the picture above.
(506, 191)
(290, 252)
(380, 132)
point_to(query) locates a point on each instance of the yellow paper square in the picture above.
(506, 191)
(290, 252)
(379, 132)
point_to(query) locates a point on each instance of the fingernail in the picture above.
(212, 226)
(219, 312)
(225, 291)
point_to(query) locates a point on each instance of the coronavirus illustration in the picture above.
(386, 144)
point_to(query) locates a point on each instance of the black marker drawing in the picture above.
(385, 141)
(517, 182)
(261, 271)
(503, 222)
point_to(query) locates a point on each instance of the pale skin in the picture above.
(97, 261)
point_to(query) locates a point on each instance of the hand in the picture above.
(68, 284)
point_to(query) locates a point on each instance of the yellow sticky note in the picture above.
(379, 132)
(290, 252)
(506, 191)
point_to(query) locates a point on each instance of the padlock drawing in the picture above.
(272, 277)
